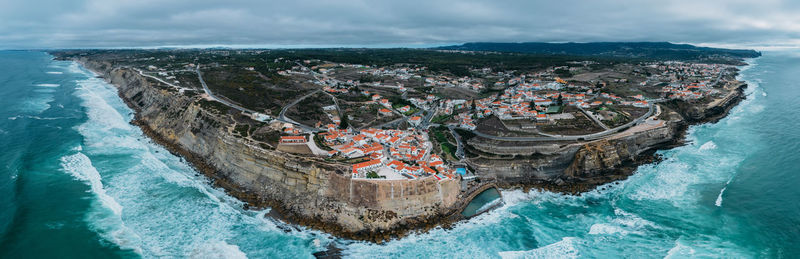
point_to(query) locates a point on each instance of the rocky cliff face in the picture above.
(573, 167)
(314, 193)
(300, 189)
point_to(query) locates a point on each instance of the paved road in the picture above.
(282, 115)
(160, 80)
(593, 118)
(210, 94)
(460, 145)
(573, 137)
(243, 109)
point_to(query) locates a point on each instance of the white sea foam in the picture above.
(718, 202)
(606, 229)
(54, 72)
(80, 167)
(100, 110)
(176, 213)
(37, 104)
(561, 249)
(217, 249)
(680, 251)
(111, 226)
(708, 146)
(48, 85)
(667, 181)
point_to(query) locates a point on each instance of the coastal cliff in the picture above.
(579, 167)
(312, 192)
(302, 190)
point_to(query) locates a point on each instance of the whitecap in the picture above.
(561, 249)
(54, 72)
(606, 229)
(708, 146)
(80, 167)
(217, 249)
(48, 85)
(718, 202)
(111, 225)
(680, 251)
(37, 104)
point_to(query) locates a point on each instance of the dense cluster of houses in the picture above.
(403, 152)
(534, 96)
(687, 91)
(401, 73)
(677, 74)
(449, 81)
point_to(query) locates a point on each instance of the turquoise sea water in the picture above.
(79, 181)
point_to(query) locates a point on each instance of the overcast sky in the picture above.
(151, 23)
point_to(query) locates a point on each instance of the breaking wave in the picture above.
(107, 217)
(173, 211)
(561, 249)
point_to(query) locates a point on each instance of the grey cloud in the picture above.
(129, 23)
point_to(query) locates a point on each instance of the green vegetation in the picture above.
(309, 110)
(242, 129)
(271, 136)
(438, 134)
(214, 106)
(563, 73)
(449, 148)
(344, 122)
(458, 64)
(369, 78)
(441, 118)
(321, 143)
(465, 134)
(373, 175)
(638, 50)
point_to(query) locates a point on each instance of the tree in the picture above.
(343, 124)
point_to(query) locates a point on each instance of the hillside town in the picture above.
(405, 149)
(407, 121)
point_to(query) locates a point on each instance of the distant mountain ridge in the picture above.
(651, 50)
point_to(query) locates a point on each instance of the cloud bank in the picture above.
(149, 23)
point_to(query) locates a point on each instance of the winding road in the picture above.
(243, 109)
(573, 137)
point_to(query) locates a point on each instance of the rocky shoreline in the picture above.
(577, 186)
(443, 218)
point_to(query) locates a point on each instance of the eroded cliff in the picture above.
(303, 190)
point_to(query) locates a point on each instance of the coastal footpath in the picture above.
(312, 192)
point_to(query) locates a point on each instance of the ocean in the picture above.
(79, 181)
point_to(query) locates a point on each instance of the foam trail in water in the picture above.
(80, 167)
(54, 72)
(176, 213)
(718, 203)
(561, 249)
(48, 85)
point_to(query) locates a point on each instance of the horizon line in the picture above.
(757, 47)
